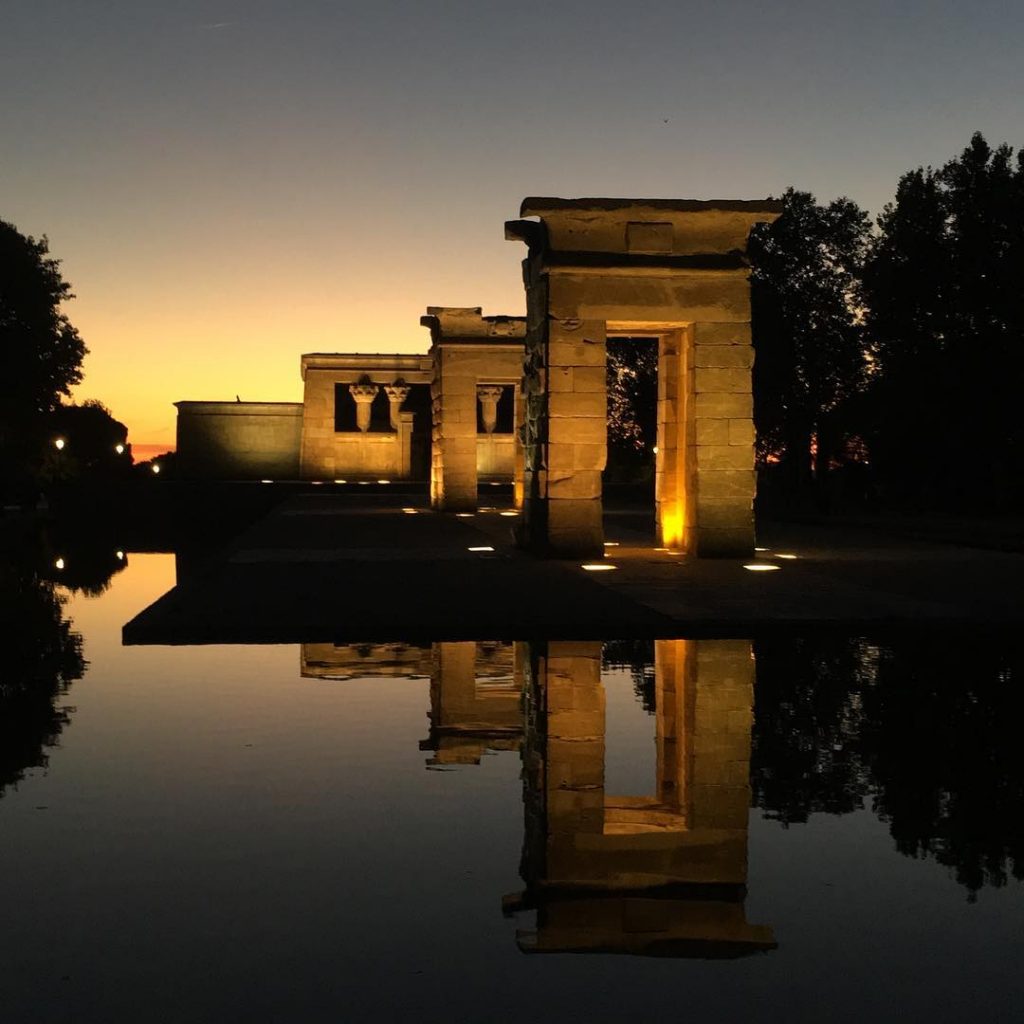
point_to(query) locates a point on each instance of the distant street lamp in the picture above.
(156, 468)
(119, 448)
(58, 443)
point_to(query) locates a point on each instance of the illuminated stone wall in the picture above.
(238, 440)
(670, 269)
(632, 853)
(330, 454)
(469, 352)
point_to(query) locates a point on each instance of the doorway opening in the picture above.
(628, 480)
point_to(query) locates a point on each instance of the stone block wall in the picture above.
(238, 440)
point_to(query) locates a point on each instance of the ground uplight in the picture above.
(760, 567)
(482, 547)
(788, 557)
(598, 566)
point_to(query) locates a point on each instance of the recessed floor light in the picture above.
(483, 547)
(341, 481)
(463, 515)
(760, 549)
(510, 513)
(383, 481)
(598, 566)
(785, 556)
(611, 543)
(760, 567)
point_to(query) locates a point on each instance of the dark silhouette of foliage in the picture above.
(42, 656)
(927, 731)
(40, 351)
(632, 380)
(947, 324)
(91, 438)
(807, 313)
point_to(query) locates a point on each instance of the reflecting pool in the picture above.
(774, 829)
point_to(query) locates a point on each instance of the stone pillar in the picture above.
(722, 717)
(519, 435)
(453, 453)
(397, 394)
(566, 439)
(489, 395)
(722, 441)
(672, 487)
(364, 394)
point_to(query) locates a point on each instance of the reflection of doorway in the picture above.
(629, 474)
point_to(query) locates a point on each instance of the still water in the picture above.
(796, 829)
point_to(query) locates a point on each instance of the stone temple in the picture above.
(524, 400)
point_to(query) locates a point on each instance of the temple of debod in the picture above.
(524, 400)
(660, 872)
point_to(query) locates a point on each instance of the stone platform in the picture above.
(329, 568)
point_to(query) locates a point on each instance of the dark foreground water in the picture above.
(812, 829)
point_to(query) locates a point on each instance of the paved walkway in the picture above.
(324, 568)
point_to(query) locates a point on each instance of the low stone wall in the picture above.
(495, 456)
(239, 440)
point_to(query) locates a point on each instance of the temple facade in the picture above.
(524, 399)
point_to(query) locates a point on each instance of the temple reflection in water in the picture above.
(658, 873)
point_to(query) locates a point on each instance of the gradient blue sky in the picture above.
(232, 184)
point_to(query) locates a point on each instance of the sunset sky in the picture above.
(230, 184)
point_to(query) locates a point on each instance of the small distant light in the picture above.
(119, 555)
(611, 543)
(787, 556)
(509, 513)
(760, 549)
(341, 481)
(485, 547)
(487, 508)
(495, 483)
(363, 483)
(661, 549)
(59, 564)
(383, 481)
(266, 481)
(411, 511)
(760, 567)
(156, 468)
(598, 566)
(59, 443)
(316, 483)
(119, 448)
(655, 449)
(463, 515)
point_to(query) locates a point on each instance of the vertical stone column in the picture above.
(489, 396)
(723, 440)
(397, 393)
(574, 432)
(363, 394)
(453, 452)
(574, 755)
(672, 697)
(672, 466)
(719, 786)
(519, 456)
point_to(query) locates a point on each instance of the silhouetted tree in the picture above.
(926, 730)
(632, 380)
(92, 437)
(42, 656)
(40, 351)
(807, 313)
(947, 323)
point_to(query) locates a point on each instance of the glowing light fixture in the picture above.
(463, 515)
(761, 567)
(119, 555)
(598, 566)
(788, 557)
(483, 547)
(655, 449)
(611, 543)
(119, 448)
(383, 481)
(59, 443)
(59, 564)
(760, 549)
(411, 511)
(510, 513)
(156, 467)
(341, 481)
(266, 481)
